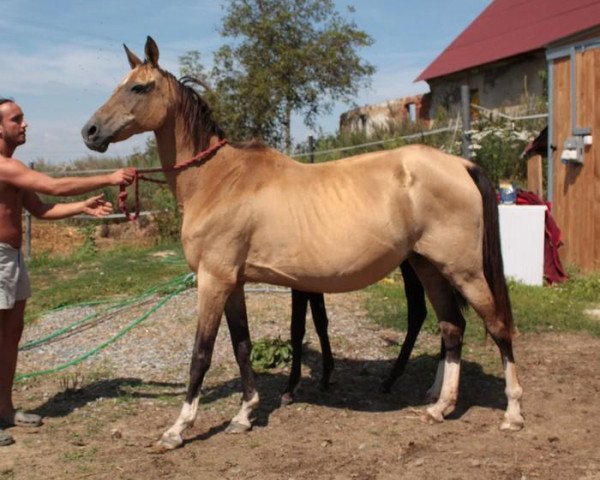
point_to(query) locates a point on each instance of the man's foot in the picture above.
(6, 439)
(21, 419)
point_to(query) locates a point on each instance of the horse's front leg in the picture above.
(212, 294)
(237, 319)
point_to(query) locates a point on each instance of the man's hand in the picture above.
(123, 176)
(97, 206)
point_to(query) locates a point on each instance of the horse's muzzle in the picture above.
(93, 138)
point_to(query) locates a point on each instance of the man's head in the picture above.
(12, 123)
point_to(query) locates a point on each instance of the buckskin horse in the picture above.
(247, 218)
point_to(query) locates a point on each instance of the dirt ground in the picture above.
(101, 425)
(63, 238)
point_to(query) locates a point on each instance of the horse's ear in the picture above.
(151, 51)
(134, 61)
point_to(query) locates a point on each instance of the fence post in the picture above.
(311, 149)
(28, 226)
(465, 113)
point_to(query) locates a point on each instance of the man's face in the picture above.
(12, 124)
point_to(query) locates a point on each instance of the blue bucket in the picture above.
(508, 193)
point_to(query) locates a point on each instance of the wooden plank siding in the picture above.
(576, 199)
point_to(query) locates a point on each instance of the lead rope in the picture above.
(139, 175)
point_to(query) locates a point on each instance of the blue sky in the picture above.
(61, 59)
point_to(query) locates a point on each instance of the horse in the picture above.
(247, 218)
(417, 312)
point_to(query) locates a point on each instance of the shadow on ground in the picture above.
(354, 386)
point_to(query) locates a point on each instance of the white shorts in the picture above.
(14, 279)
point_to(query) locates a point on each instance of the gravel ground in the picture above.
(159, 348)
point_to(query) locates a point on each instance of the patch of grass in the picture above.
(88, 276)
(80, 454)
(386, 304)
(556, 308)
(560, 307)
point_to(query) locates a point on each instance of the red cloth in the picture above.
(553, 269)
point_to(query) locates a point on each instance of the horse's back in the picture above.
(353, 220)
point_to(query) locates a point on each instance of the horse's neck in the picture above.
(175, 149)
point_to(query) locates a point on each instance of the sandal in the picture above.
(21, 419)
(6, 439)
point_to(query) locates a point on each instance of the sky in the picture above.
(62, 59)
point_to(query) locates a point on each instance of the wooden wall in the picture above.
(576, 188)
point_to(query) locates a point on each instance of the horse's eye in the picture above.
(139, 88)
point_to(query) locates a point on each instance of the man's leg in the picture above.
(11, 328)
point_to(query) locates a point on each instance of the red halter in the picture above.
(139, 175)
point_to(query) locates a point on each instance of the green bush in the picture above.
(497, 145)
(270, 353)
(167, 217)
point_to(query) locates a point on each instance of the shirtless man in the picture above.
(19, 187)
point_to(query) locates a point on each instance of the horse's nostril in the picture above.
(92, 131)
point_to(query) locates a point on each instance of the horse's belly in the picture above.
(326, 270)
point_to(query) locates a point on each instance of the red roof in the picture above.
(511, 27)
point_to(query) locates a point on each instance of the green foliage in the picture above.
(497, 146)
(385, 137)
(167, 217)
(386, 305)
(191, 66)
(287, 56)
(270, 353)
(89, 246)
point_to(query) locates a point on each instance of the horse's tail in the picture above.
(493, 268)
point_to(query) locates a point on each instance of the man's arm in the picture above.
(14, 172)
(95, 206)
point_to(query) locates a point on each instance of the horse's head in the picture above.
(139, 104)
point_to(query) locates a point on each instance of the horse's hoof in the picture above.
(236, 427)
(286, 399)
(324, 385)
(513, 425)
(449, 410)
(432, 415)
(167, 442)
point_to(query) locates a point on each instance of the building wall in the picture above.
(576, 188)
(515, 86)
(369, 118)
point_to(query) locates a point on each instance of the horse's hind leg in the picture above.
(417, 311)
(319, 314)
(298, 329)
(478, 294)
(211, 300)
(433, 394)
(300, 302)
(452, 324)
(237, 320)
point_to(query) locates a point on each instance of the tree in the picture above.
(289, 56)
(191, 66)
